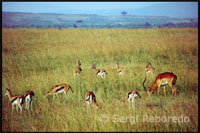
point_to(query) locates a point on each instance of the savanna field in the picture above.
(38, 59)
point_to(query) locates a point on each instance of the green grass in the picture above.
(38, 59)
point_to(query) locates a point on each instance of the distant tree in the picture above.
(169, 25)
(38, 26)
(147, 25)
(124, 13)
(75, 26)
(79, 21)
(32, 25)
(60, 27)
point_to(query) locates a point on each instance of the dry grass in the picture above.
(38, 59)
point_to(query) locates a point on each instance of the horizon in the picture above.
(106, 8)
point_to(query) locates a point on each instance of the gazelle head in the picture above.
(148, 63)
(79, 63)
(8, 91)
(93, 66)
(117, 64)
(148, 89)
(136, 94)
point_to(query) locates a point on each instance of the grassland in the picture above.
(38, 59)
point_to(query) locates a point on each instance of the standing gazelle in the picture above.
(132, 97)
(120, 71)
(162, 80)
(150, 69)
(91, 98)
(16, 100)
(99, 72)
(29, 99)
(78, 69)
(59, 89)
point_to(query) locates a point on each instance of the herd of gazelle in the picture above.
(161, 80)
(19, 100)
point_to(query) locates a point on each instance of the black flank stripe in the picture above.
(129, 94)
(60, 88)
(14, 99)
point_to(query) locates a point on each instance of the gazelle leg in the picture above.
(149, 94)
(57, 95)
(173, 89)
(133, 103)
(104, 75)
(129, 102)
(164, 90)
(12, 109)
(20, 107)
(17, 108)
(65, 93)
(26, 104)
(88, 104)
(152, 74)
(29, 105)
(158, 92)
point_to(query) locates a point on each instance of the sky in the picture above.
(172, 9)
(47, 7)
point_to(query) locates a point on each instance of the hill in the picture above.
(56, 20)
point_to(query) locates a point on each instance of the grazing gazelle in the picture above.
(90, 98)
(16, 100)
(99, 72)
(150, 68)
(162, 80)
(78, 69)
(132, 97)
(120, 71)
(59, 89)
(29, 99)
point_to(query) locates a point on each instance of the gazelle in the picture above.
(16, 100)
(120, 71)
(132, 97)
(100, 72)
(91, 98)
(162, 80)
(150, 68)
(59, 89)
(78, 69)
(29, 99)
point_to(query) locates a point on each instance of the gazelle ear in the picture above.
(79, 62)
(93, 66)
(149, 63)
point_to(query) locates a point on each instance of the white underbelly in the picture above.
(28, 98)
(60, 91)
(14, 102)
(164, 83)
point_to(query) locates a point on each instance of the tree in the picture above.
(75, 26)
(124, 13)
(79, 21)
(147, 25)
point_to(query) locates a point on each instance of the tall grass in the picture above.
(38, 59)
